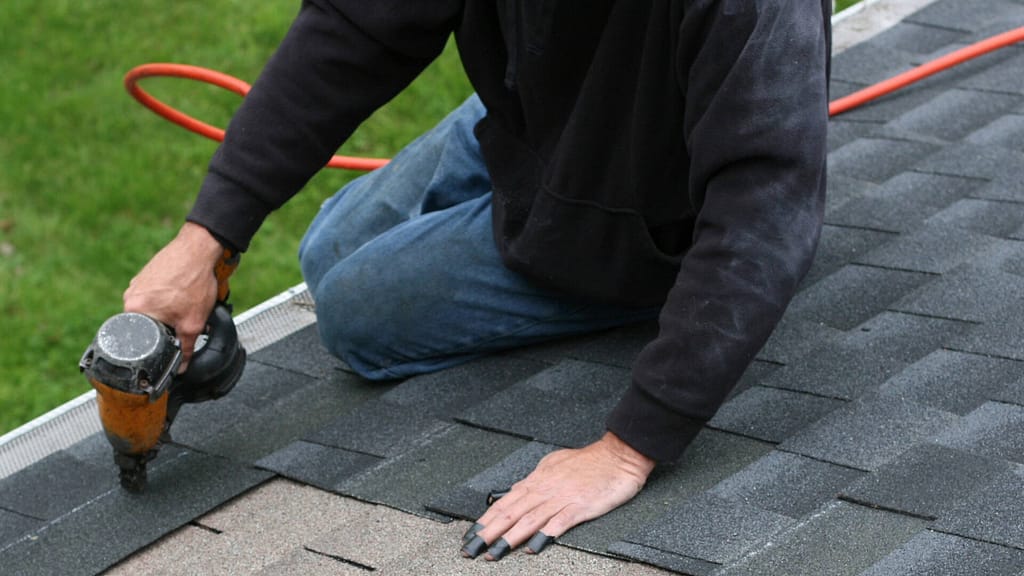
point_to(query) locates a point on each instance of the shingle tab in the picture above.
(991, 513)
(840, 246)
(1006, 131)
(994, 218)
(966, 15)
(935, 554)
(771, 414)
(853, 295)
(954, 114)
(787, 484)
(877, 160)
(557, 406)
(908, 483)
(842, 540)
(953, 381)
(994, 429)
(55, 486)
(968, 293)
(14, 526)
(1004, 338)
(321, 466)
(712, 529)
(934, 249)
(869, 433)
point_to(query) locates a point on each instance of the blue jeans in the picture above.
(404, 270)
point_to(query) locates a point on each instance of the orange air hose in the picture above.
(844, 104)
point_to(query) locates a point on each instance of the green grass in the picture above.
(92, 184)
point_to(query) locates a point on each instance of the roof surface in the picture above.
(880, 431)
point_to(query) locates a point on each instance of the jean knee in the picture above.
(351, 312)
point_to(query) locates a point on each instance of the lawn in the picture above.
(92, 184)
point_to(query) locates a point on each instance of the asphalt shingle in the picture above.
(993, 429)
(936, 554)
(954, 381)
(990, 513)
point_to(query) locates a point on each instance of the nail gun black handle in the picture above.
(217, 365)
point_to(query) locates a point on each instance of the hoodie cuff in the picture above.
(650, 427)
(229, 213)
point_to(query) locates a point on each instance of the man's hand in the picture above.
(567, 488)
(177, 286)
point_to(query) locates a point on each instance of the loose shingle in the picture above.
(867, 434)
(841, 540)
(935, 554)
(787, 484)
(908, 483)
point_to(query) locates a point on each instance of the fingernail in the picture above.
(499, 550)
(474, 547)
(471, 532)
(538, 543)
(496, 495)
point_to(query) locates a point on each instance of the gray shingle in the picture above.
(968, 293)
(301, 352)
(934, 249)
(901, 203)
(787, 484)
(794, 337)
(854, 294)
(712, 529)
(867, 434)
(867, 63)
(935, 554)
(993, 429)
(953, 381)
(422, 474)
(863, 359)
(840, 246)
(1008, 184)
(1004, 338)
(968, 15)
(991, 514)
(971, 161)
(982, 216)
(1006, 131)
(378, 428)
(180, 489)
(14, 526)
(711, 458)
(955, 113)
(1006, 74)
(662, 559)
(916, 38)
(842, 540)
(877, 160)
(558, 406)
(908, 484)
(615, 347)
(771, 414)
(321, 466)
(55, 485)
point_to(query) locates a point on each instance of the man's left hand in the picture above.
(567, 488)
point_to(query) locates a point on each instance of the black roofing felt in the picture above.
(879, 432)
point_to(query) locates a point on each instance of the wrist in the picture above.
(200, 242)
(631, 457)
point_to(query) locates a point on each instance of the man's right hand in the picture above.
(177, 286)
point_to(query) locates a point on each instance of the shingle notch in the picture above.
(867, 434)
(936, 554)
(908, 484)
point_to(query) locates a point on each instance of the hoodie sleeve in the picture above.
(755, 77)
(340, 61)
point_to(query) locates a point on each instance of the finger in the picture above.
(524, 529)
(504, 514)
